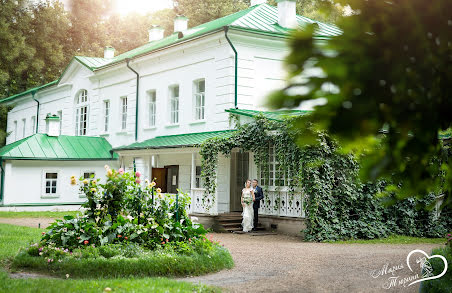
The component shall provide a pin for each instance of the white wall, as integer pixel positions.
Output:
(24, 180)
(260, 71)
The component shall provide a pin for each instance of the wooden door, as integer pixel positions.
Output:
(239, 173)
(160, 178)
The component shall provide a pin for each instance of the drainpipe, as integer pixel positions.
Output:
(226, 29)
(33, 93)
(137, 97)
(2, 181)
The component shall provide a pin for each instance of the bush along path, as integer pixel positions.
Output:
(129, 228)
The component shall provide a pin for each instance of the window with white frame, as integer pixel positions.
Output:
(123, 113)
(33, 124)
(60, 114)
(81, 113)
(106, 115)
(276, 176)
(51, 183)
(152, 108)
(198, 178)
(15, 130)
(174, 104)
(24, 127)
(199, 99)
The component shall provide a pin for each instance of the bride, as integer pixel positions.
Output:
(247, 204)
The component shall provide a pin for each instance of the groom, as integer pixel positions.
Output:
(258, 195)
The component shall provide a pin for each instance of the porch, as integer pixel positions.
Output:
(178, 167)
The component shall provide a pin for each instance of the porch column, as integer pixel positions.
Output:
(193, 170)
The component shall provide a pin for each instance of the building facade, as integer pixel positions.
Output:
(156, 103)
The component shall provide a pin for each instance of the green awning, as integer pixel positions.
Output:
(270, 115)
(175, 141)
(65, 148)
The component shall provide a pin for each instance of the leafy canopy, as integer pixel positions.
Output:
(388, 72)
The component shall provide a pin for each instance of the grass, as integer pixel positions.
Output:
(394, 239)
(37, 214)
(14, 237)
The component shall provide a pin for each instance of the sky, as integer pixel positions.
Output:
(141, 6)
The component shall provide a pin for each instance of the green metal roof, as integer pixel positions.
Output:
(258, 18)
(66, 148)
(271, 115)
(262, 18)
(174, 141)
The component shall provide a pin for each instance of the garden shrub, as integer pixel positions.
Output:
(443, 284)
(128, 223)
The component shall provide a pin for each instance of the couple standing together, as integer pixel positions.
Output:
(251, 197)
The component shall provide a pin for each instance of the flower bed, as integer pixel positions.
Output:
(129, 228)
(444, 283)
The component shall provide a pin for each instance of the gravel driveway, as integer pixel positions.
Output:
(277, 263)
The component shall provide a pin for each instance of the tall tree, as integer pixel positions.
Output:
(389, 71)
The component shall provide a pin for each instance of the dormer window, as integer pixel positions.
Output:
(81, 113)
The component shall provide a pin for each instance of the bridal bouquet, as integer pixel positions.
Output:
(247, 200)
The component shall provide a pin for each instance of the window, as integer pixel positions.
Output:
(81, 113)
(106, 115)
(51, 180)
(198, 179)
(124, 113)
(276, 176)
(152, 108)
(88, 175)
(60, 114)
(15, 130)
(174, 104)
(33, 124)
(24, 127)
(199, 99)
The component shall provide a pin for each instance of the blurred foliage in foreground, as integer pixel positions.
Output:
(389, 72)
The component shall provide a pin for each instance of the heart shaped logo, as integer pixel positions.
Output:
(425, 265)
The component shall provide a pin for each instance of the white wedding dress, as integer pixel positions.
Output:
(248, 212)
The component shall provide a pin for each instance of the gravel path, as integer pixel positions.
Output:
(28, 222)
(277, 263)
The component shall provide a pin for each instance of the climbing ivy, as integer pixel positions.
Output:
(338, 205)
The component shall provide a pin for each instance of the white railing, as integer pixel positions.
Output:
(283, 203)
(196, 205)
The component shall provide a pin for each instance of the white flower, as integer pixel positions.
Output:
(67, 276)
(129, 217)
(194, 219)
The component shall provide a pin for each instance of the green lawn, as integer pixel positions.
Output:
(394, 239)
(13, 237)
(37, 214)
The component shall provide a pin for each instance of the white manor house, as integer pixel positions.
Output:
(148, 109)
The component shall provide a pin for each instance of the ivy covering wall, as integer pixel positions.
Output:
(338, 205)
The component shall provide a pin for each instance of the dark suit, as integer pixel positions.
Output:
(258, 196)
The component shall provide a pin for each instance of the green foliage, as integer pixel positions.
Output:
(387, 71)
(195, 257)
(443, 284)
(123, 211)
(338, 205)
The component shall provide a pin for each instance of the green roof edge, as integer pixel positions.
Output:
(129, 148)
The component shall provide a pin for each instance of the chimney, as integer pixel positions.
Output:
(180, 23)
(109, 52)
(156, 33)
(53, 125)
(257, 2)
(287, 14)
